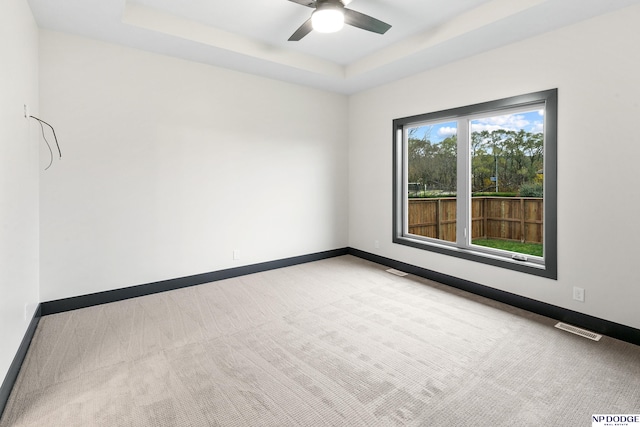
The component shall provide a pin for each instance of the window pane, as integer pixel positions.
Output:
(432, 180)
(507, 182)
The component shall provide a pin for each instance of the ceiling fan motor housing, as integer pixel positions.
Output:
(325, 4)
(328, 16)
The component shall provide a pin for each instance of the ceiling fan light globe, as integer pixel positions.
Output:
(327, 20)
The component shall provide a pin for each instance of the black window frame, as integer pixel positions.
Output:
(550, 99)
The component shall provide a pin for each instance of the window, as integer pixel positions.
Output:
(479, 182)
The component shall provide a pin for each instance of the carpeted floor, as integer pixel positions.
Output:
(338, 342)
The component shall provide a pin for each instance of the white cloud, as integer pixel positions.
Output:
(478, 127)
(513, 122)
(446, 131)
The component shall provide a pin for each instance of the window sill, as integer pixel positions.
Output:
(529, 267)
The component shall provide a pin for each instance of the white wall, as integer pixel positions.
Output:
(168, 166)
(596, 67)
(18, 176)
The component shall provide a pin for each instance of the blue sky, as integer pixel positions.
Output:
(531, 121)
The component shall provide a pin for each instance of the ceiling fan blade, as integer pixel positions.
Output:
(302, 31)
(365, 22)
(308, 3)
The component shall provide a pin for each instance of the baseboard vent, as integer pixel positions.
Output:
(397, 272)
(578, 331)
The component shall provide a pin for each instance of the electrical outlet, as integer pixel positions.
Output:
(376, 244)
(578, 294)
(236, 254)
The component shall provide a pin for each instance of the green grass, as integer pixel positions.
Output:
(494, 194)
(508, 245)
(429, 195)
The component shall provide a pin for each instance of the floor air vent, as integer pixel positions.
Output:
(397, 272)
(578, 331)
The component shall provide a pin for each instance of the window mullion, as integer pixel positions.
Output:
(402, 153)
(463, 199)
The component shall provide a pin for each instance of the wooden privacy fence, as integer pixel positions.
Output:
(506, 218)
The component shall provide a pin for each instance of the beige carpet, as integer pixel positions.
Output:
(338, 342)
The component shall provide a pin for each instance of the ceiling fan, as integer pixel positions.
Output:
(330, 15)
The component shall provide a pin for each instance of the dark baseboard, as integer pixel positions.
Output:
(14, 369)
(82, 301)
(601, 326)
(595, 324)
(604, 327)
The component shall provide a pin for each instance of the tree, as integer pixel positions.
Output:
(513, 157)
(432, 165)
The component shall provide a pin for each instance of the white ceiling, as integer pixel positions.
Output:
(251, 35)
